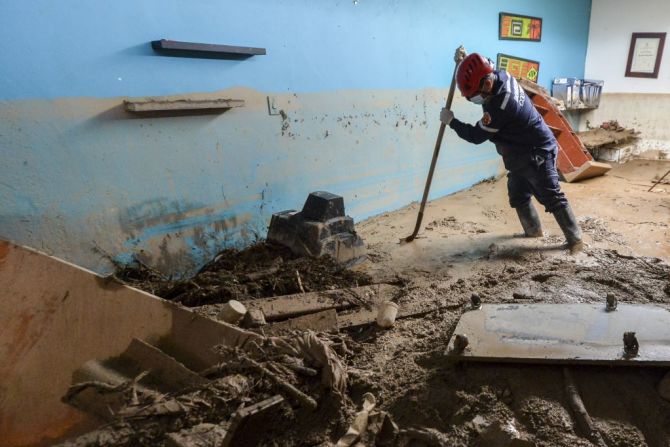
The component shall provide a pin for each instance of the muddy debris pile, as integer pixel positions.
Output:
(609, 134)
(277, 383)
(261, 270)
(398, 387)
(274, 391)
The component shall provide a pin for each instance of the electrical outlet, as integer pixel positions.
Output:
(273, 108)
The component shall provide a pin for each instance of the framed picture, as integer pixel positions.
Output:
(519, 27)
(518, 67)
(644, 55)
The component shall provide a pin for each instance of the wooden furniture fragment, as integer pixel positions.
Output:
(574, 162)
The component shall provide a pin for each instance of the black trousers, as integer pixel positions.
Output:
(536, 178)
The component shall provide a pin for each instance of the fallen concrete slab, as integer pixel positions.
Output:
(563, 333)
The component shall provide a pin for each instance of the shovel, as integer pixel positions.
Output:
(458, 57)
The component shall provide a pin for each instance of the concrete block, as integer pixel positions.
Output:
(283, 228)
(254, 318)
(321, 228)
(344, 247)
(322, 206)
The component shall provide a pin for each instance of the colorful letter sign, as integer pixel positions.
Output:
(518, 67)
(518, 27)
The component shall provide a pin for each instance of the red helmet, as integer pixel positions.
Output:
(470, 73)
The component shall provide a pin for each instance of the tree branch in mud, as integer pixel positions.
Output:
(584, 421)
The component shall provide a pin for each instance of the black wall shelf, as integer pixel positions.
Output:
(204, 50)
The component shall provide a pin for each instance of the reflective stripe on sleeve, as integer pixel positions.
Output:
(488, 129)
(507, 95)
(516, 90)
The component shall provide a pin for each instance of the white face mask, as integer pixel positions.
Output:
(477, 99)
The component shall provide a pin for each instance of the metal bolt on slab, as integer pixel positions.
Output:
(611, 302)
(460, 343)
(475, 302)
(630, 344)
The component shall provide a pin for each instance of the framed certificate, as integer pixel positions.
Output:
(644, 55)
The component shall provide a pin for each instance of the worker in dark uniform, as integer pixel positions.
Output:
(527, 146)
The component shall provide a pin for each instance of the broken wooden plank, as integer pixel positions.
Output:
(245, 420)
(162, 104)
(323, 321)
(565, 333)
(364, 316)
(163, 367)
(289, 306)
(588, 170)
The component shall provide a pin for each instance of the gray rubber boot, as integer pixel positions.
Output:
(530, 221)
(573, 234)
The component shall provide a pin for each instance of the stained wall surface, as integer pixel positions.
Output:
(634, 102)
(359, 84)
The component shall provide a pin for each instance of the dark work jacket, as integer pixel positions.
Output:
(512, 123)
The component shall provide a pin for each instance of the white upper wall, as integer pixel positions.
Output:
(612, 24)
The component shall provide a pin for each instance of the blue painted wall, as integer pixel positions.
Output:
(361, 83)
(100, 48)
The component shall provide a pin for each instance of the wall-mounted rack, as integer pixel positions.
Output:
(177, 104)
(204, 50)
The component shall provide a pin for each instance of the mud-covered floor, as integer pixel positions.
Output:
(407, 367)
(468, 245)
